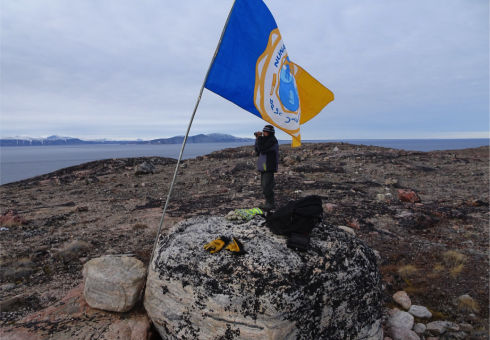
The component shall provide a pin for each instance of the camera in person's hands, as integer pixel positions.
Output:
(257, 134)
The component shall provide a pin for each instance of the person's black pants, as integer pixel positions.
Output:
(267, 183)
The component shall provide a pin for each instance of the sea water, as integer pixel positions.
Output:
(22, 162)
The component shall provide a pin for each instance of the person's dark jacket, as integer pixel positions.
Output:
(268, 150)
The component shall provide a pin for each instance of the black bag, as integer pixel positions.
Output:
(298, 242)
(299, 217)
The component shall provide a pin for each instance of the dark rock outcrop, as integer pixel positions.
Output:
(144, 169)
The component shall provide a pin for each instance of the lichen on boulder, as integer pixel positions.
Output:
(333, 291)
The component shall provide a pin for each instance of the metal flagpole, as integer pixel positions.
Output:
(186, 135)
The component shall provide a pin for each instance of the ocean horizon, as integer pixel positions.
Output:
(23, 162)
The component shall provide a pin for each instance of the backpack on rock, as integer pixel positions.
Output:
(298, 217)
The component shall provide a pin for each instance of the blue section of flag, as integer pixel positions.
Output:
(232, 74)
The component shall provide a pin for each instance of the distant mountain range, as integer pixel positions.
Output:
(60, 140)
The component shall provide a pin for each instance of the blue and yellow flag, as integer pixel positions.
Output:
(253, 70)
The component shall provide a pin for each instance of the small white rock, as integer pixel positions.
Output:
(420, 312)
(419, 328)
(400, 319)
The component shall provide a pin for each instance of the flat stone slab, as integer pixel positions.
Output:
(333, 291)
(113, 283)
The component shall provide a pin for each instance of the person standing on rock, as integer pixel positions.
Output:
(267, 148)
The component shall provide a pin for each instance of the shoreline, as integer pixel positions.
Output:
(193, 153)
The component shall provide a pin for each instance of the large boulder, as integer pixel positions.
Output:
(113, 283)
(333, 291)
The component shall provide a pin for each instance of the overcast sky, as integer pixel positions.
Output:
(133, 69)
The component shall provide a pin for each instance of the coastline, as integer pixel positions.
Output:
(23, 162)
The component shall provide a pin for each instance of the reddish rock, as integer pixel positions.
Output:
(407, 195)
(11, 219)
(354, 224)
(402, 299)
(83, 322)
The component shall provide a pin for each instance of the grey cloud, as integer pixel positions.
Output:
(134, 69)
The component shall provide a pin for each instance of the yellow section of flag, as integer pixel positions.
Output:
(313, 95)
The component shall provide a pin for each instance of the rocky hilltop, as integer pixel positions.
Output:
(426, 214)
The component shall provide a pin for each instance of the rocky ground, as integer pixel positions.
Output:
(435, 249)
